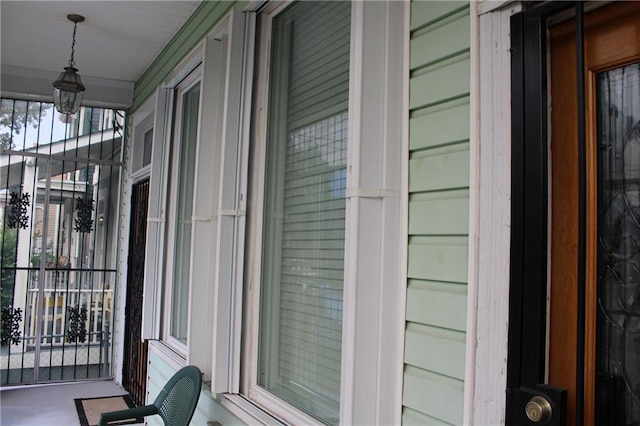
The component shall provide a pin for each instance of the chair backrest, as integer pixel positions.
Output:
(177, 401)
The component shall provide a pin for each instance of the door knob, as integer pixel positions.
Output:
(538, 409)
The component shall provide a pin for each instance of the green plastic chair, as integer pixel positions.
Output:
(175, 404)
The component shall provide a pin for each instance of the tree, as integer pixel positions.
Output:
(8, 249)
(16, 115)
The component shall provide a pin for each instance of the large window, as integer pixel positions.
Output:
(286, 232)
(190, 212)
(301, 299)
(181, 208)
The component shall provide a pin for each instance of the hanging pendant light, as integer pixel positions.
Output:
(68, 88)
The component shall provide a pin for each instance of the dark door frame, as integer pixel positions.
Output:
(134, 366)
(526, 362)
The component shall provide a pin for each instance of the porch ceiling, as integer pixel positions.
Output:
(114, 45)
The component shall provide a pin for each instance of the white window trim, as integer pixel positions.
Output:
(164, 352)
(204, 221)
(250, 388)
(373, 361)
(140, 128)
(213, 57)
(193, 78)
(230, 206)
(139, 124)
(156, 217)
(490, 213)
(247, 411)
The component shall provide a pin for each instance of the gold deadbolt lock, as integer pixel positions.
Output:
(538, 410)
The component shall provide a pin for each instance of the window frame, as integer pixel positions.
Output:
(142, 121)
(210, 338)
(182, 88)
(141, 127)
(367, 188)
(255, 226)
(377, 182)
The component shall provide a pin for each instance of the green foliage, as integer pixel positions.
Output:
(48, 258)
(8, 249)
(16, 115)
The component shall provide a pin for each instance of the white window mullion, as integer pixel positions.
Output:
(249, 28)
(204, 220)
(254, 223)
(179, 202)
(373, 322)
(352, 213)
(230, 216)
(156, 216)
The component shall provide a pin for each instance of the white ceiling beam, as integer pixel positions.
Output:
(26, 83)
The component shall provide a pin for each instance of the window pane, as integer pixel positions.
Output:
(146, 148)
(186, 169)
(618, 326)
(303, 253)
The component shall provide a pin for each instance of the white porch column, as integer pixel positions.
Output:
(29, 179)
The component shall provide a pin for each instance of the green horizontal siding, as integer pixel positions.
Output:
(442, 84)
(441, 127)
(439, 140)
(411, 417)
(438, 304)
(438, 260)
(439, 396)
(435, 349)
(428, 12)
(453, 39)
(209, 408)
(201, 22)
(448, 169)
(448, 213)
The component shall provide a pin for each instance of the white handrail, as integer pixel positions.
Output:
(54, 311)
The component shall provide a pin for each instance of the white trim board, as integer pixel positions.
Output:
(490, 219)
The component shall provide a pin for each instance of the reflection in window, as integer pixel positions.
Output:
(184, 209)
(300, 346)
(618, 332)
(147, 146)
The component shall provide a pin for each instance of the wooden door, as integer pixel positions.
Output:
(612, 228)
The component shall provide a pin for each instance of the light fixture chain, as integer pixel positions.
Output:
(68, 88)
(73, 44)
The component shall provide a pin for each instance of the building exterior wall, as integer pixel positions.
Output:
(205, 17)
(438, 209)
(490, 233)
(162, 363)
(438, 213)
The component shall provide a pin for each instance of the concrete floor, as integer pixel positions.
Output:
(49, 405)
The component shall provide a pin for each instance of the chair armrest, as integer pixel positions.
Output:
(131, 413)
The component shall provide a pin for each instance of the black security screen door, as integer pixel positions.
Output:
(60, 177)
(134, 369)
(575, 215)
